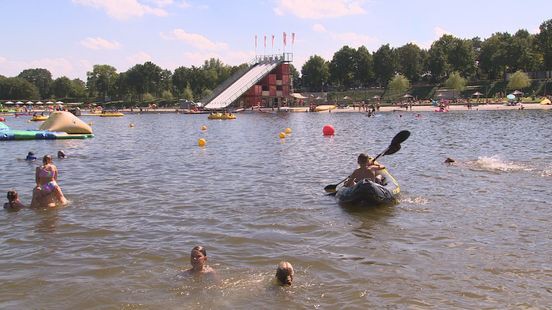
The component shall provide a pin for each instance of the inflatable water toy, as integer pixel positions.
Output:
(65, 122)
(7, 133)
(369, 192)
(324, 107)
(545, 101)
(39, 118)
(221, 116)
(111, 114)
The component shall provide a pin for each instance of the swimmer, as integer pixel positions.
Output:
(13, 203)
(198, 260)
(284, 274)
(30, 156)
(449, 161)
(47, 192)
(61, 154)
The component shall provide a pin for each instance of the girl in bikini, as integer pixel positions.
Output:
(47, 192)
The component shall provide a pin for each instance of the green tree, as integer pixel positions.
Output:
(494, 57)
(544, 43)
(518, 80)
(314, 73)
(398, 85)
(41, 78)
(294, 75)
(78, 89)
(180, 80)
(342, 68)
(62, 87)
(17, 89)
(385, 64)
(188, 94)
(147, 97)
(522, 52)
(364, 67)
(167, 95)
(100, 81)
(456, 82)
(450, 54)
(410, 61)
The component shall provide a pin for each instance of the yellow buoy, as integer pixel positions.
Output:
(282, 135)
(288, 130)
(201, 142)
(203, 127)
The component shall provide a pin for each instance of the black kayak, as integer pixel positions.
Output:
(369, 192)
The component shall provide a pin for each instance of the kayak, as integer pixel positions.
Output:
(324, 107)
(369, 192)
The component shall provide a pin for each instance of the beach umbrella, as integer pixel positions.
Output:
(511, 97)
(517, 93)
(346, 98)
(59, 102)
(39, 102)
(477, 94)
(408, 96)
(49, 102)
(9, 102)
(29, 102)
(19, 102)
(376, 97)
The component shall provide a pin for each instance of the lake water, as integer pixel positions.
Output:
(474, 235)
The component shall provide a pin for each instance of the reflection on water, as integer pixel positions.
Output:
(470, 235)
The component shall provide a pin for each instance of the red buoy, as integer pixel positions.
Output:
(328, 130)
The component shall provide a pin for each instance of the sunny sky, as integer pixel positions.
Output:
(68, 37)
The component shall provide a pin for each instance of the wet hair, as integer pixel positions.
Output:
(200, 249)
(362, 158)
(61, 154)
(12, 195)
(284, 273)
(47, 158)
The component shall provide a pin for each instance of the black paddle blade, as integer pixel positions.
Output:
(399, 138)
(330, 188)
(393, 148)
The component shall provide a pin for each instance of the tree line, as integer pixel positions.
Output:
(470, 59)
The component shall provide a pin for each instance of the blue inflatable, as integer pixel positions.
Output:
(6, 133)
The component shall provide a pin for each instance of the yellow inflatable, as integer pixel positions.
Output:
(66, 122)
(111, 114)
(39, 118)
(324, 107)
(545, 101)
(221, 116)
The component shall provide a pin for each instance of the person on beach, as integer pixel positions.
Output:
(284, 274)
(30, 156)
(47, 192)
(198, 260)
(13, 203)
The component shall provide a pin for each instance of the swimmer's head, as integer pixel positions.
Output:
(12, 196)
(198, 257)
(61, 154)
(284, 273)
(47, 159)
(449, 160)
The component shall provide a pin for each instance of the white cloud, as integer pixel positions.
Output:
(317, 9)
(139, 58)
(354, 39)
(195, 40)
(124, 9)
(160, 3)
(318, 28)
(439, 32)
(99, 43)
(57, 66)
(184, 4)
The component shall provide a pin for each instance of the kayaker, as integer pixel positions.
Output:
(284, 274)
(362, 172)
(198, 260)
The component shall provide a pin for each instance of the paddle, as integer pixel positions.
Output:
(393, 148)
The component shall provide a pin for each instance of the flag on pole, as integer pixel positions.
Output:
(272, 41)
(265, 41)
(255, 41)
(292, 38)
(284, 39)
